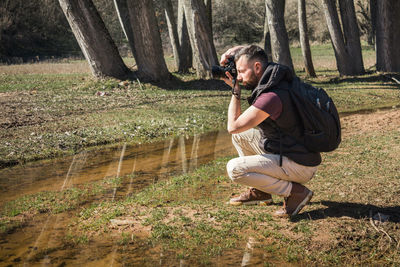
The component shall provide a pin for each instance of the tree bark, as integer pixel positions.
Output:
(304, 42)
(351, 35)
(373, 10)
(199, 31)
(208, 4)
(173, 31)
(183, 35)
(148, 50)
(121, 7)
(279, 38)
(388, 36)
(94, 39)
(343, 61)
(267, 36)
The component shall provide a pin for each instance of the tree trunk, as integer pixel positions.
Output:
(148, 53)
(208, 5)
(199, 31)
(173, 31)
(351, 35)
(388, 36)
(279, 38)
(183, 35)
(305, 44)
(121, 7)
(267, 36)
(343, 60)
(93, 38)
(373, 6)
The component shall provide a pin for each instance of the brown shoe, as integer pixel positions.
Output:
(299, 197)
(252, 197)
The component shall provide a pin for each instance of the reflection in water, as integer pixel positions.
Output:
(182, 153)
(131, 178)
(195, 148)
(121, 158)
(146, 163)
(77, 162)
(246, 260)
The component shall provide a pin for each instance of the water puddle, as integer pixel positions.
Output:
(150, 162)
(42, 239)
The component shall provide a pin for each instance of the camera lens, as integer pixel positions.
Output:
(218, 71)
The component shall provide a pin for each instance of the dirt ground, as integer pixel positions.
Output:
(17, 110)
(385, 120)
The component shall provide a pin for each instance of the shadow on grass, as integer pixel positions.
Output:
(368, 78)
(198, 84)
(174, 82)
(345, 209)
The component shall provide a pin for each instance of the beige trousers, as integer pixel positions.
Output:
(256, 168)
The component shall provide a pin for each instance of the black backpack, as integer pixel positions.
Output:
(319, 116)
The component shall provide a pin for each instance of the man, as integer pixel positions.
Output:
(270, 161)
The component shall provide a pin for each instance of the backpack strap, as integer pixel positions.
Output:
(275, 126)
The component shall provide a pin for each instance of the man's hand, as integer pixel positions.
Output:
(229, 53)
(229, 79)
(236, 91)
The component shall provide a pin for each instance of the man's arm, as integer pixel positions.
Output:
(238, 122)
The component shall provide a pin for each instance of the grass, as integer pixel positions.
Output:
(49, 114)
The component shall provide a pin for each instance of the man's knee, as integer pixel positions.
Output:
(248, 136)
(234, 169)
(236, 139)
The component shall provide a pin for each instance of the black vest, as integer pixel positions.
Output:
(277, 78)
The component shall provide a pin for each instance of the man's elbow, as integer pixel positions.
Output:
(232, 130)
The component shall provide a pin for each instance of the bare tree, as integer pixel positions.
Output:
(304, 42)
(147, 49)
(121, 6)
(184, 43)
(388, 36)
(179, 37)
(373, 6)
(208, 4)
(267, 36)
(351, 34)
(345, 61)
(279, 38)
(199, 31)
(94, 39)
(365, 21)
(173, 31)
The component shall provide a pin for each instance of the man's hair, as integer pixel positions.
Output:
(253, 53)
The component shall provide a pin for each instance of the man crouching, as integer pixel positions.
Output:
(270, 161)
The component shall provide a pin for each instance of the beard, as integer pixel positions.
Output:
(249, 86)
(251, 83)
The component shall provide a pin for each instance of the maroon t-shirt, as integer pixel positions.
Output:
(270, 103)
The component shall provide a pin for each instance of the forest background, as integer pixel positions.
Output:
(36, 30)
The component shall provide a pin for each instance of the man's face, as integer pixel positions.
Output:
(246, 73)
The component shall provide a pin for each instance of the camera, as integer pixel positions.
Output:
(230, 66)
